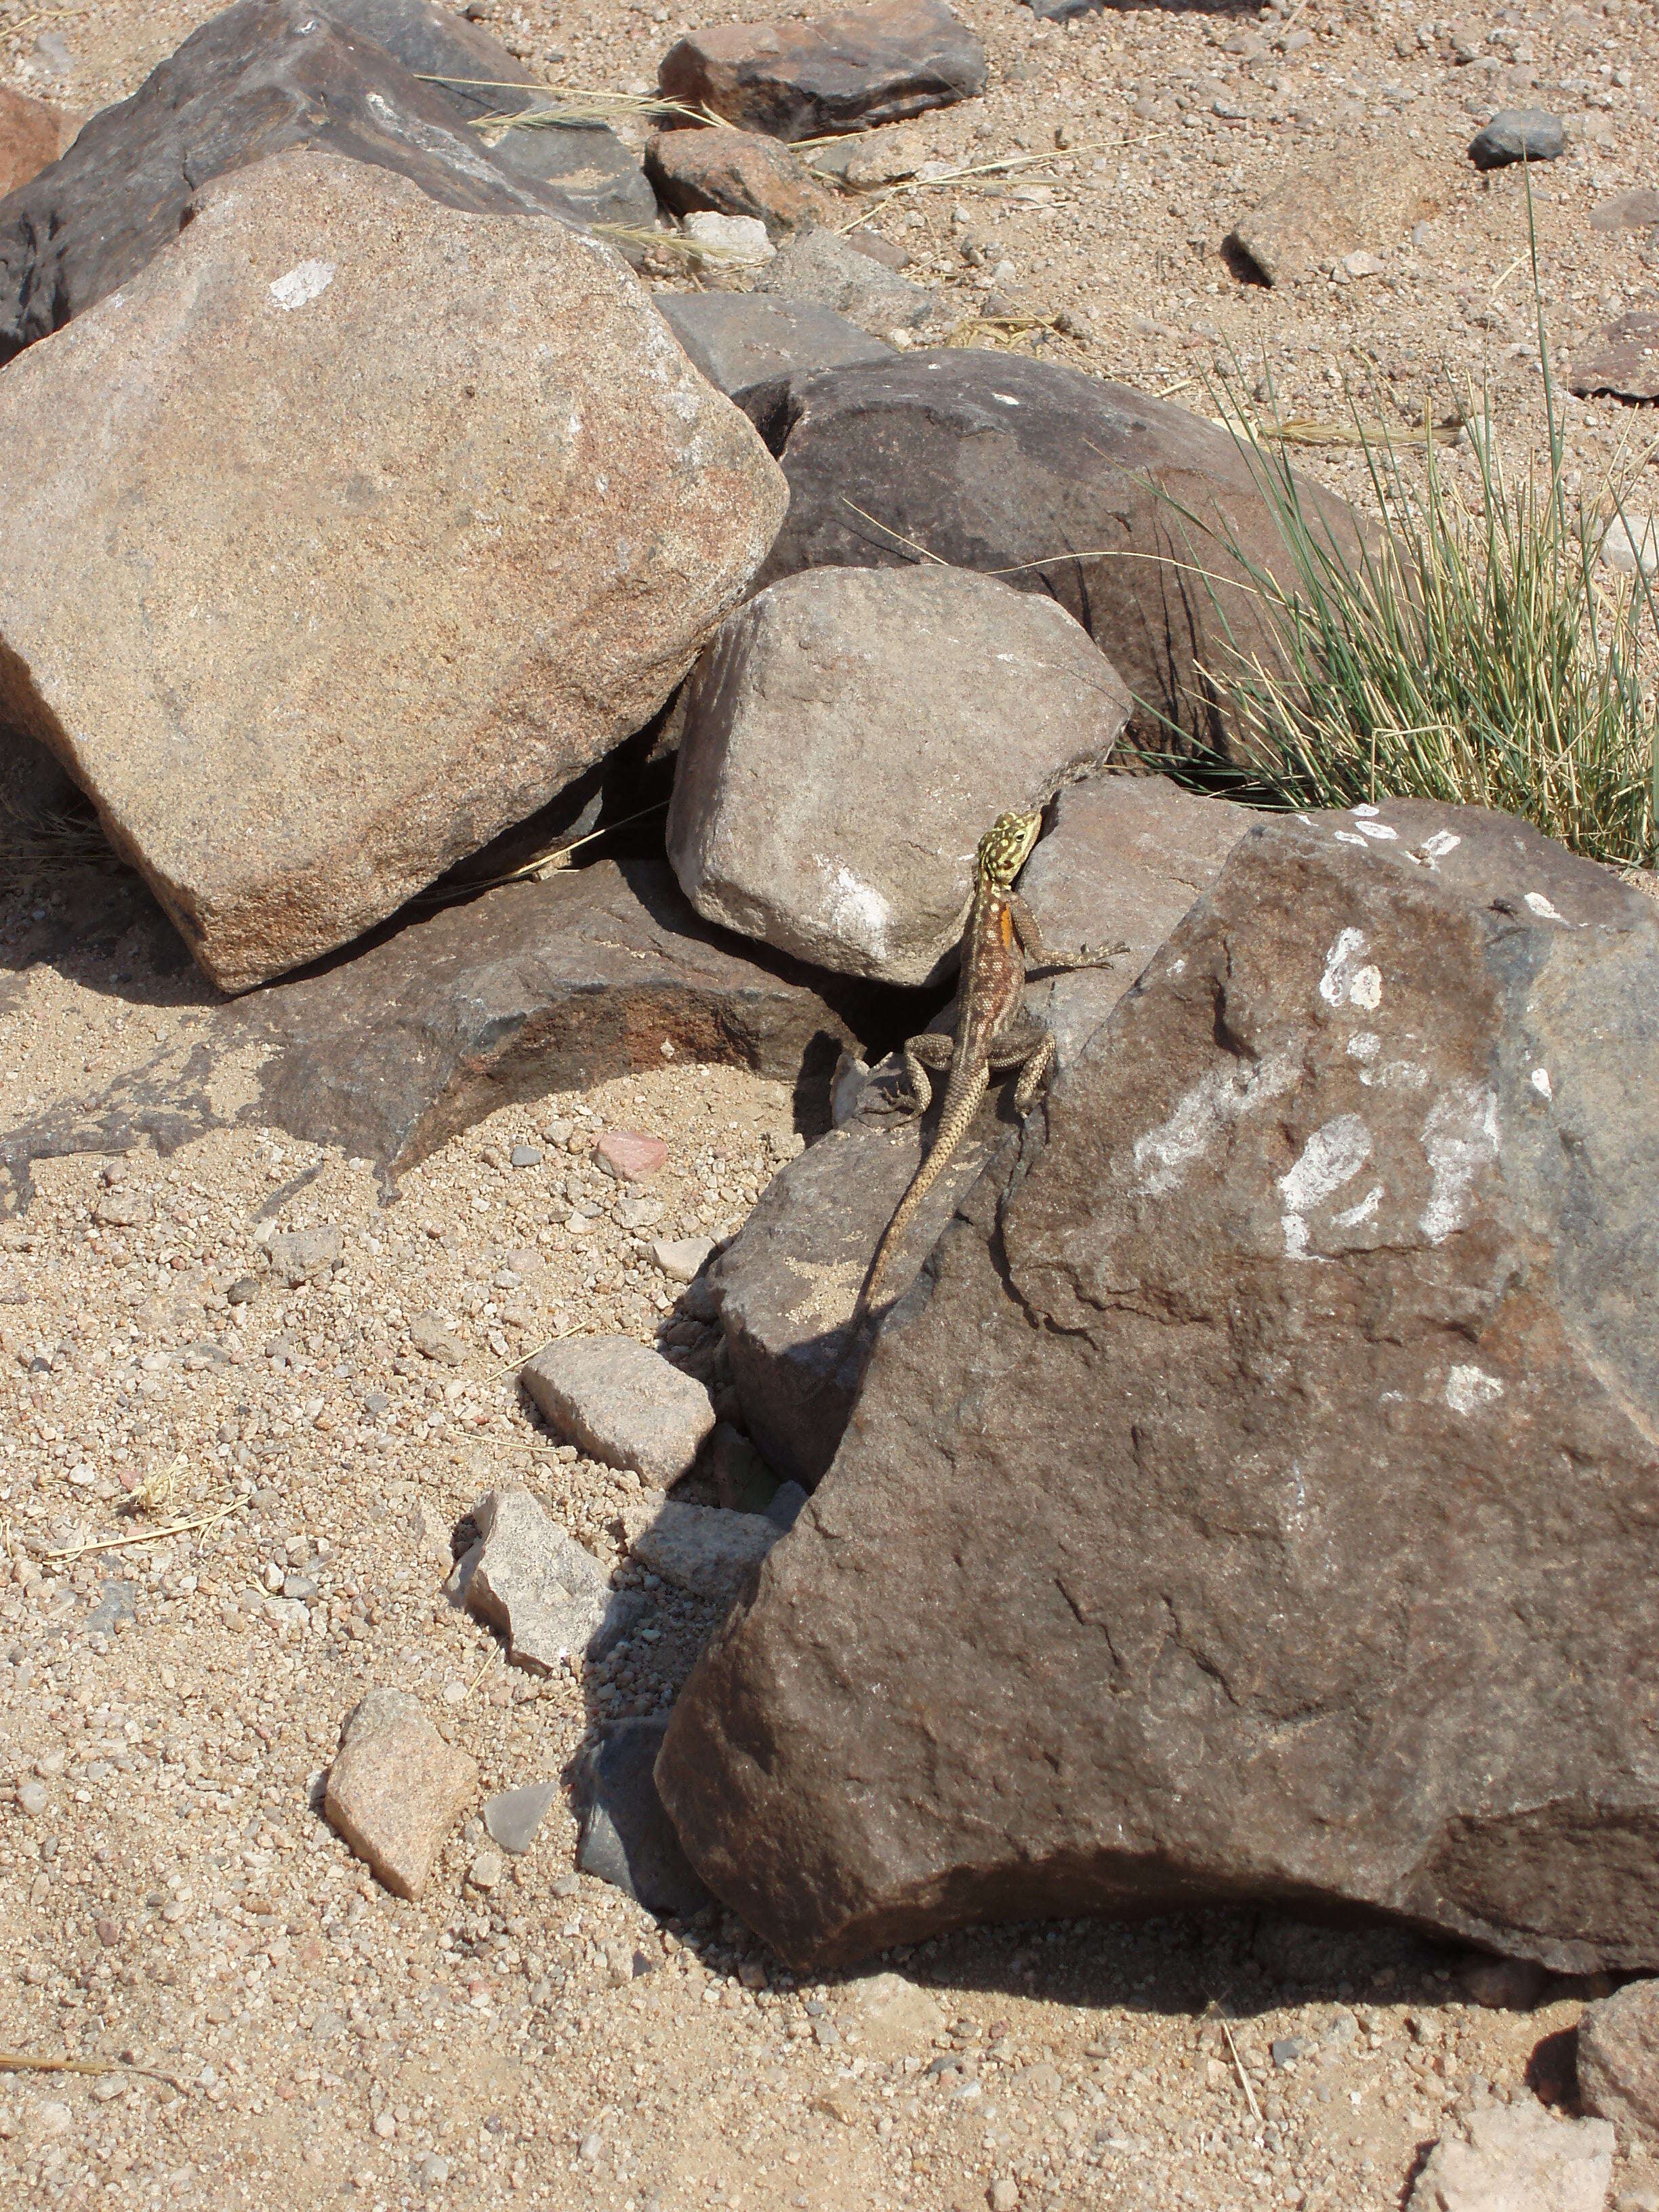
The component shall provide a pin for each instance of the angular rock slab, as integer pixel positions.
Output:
(1126, 858)
(848, 738)
(514, 1816)
(585, 163)
(708, 1551)
(740, 339)
(626, 1838)
(1625, 360)
(1260, 1488)
(263, 76)
(396, 1789)
(33, 135)
(1311, 219)
(1098, 496)
(848, 69)
(826, 270)
(327, 563)
(531, 988)
(1518, 2155)
(736, 173)
(623, 1403)
(1619, 2063)
(532, 1580)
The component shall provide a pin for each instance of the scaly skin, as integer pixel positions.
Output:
(994, 1033)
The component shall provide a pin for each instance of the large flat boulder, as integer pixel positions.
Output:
(1118, 506)
(265, 77)
(531, 988)
(326, 563)
(848, 738)
(1255, 1498)
(740, 339)
(847, 69)
(1125, 858)
(584, 163)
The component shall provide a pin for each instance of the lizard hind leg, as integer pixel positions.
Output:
(931, 1050)
(1034, 1073)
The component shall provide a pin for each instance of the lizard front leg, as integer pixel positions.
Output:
(931, 1050)
(1044, 955)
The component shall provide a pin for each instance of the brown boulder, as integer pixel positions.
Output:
(1619, 2063)
(327, 558)
(1257, 1497)
(847, 69)
(1623, 362)
(1122, 508)
(735, 172)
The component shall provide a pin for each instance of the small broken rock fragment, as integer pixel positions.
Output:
(430, 1335)
(528, 1578)
(513, 1816)
(629, 1155)
(396, 1789)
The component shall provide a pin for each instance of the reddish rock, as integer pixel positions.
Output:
(735, 172)
(33, 135)
(847, 69)
(396, 1789)
(629, 1154)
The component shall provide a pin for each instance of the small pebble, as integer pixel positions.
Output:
(526, 1156)
(485, 1870)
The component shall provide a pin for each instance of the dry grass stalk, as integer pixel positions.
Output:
(145, 1536)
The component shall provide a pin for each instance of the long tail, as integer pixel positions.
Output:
(958, 1113)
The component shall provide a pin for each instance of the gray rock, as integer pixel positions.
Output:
(513, 1816)
(972, 456)
(848, 739)
(785, 1509)
(533, 1581)
(526, 1156)
(117, 1602)
(705, 1549)
(433, 1340)
(585, 163)
(626, 1837)
(1126, 858)
(1521, 2156)
(1619, 2063)
(1518, 134)
(1633, 211)
(534, 988)
(1281, 1427)
(253, 766)
(740, 339)
(848, 69)
(622, 1403)
(825, 271)
(396, 1789)
(262, 77)
(303, 1255)
(682, 1259)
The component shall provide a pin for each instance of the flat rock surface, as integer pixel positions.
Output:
(847, 69)
(740, 339)
(973, 456)
(848, 738)
(1518, 2155)
(623, 1403)
(1619, 2063)
(396, 1789)
(33, 133)
(736, 173)
(532, 988)
(706, 1551)
(1211, 1480)
(1125, 859)
(821, 267)
(263, 76)
(533, 1581)
(287, 759)
(1333, 207)
(1623, 361)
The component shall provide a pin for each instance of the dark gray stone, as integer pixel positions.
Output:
(265, 75)
(1518, 134)
(585, 163)
(626, 1836)
(1260, 1483)
(740, 339)
(828, 270)
(848, 69)
(1104, 498)
(533, 987)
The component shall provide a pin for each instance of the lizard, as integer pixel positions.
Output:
(993, 1033)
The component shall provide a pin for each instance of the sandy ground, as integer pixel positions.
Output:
(175, 1899)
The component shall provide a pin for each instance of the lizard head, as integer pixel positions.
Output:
(1006, 846)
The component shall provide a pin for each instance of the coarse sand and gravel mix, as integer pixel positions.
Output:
(171, 1897)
